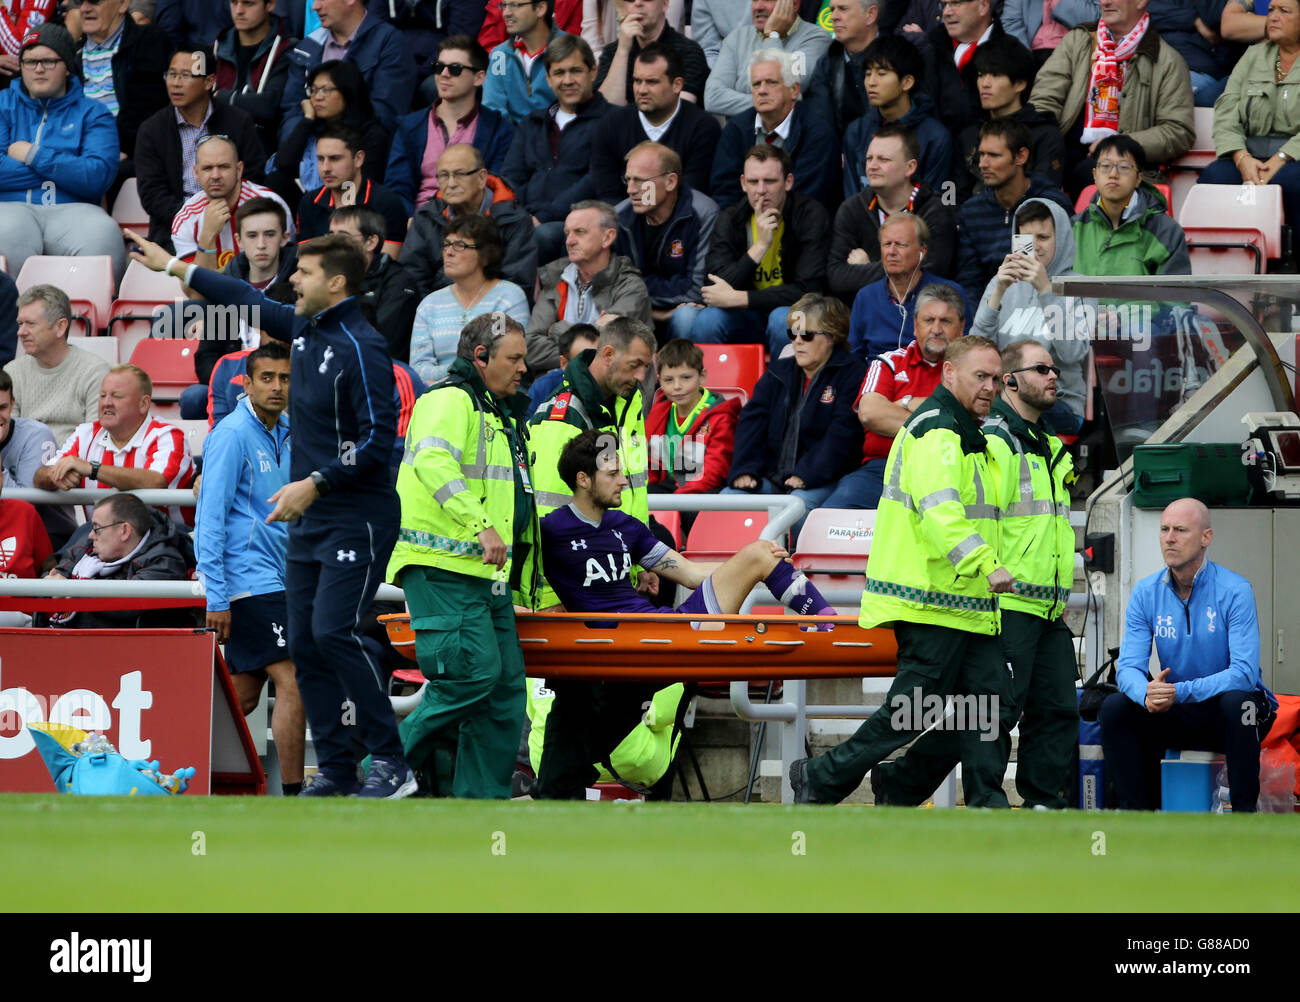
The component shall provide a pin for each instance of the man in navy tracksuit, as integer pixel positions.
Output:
(241, 556)
(340, 500)
(1208, 692)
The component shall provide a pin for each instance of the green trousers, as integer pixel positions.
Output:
(933, 662)
(1042, 653)
(467, 645)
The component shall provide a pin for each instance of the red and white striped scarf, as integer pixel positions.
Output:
(1101, 112)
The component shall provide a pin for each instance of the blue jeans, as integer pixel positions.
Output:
(194, 402)
(1206, 89)
(812, 497)
(549, 240)
(1288, 179)
(861, 488)
(712, 325)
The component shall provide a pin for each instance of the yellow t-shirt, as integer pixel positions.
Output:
(768, 274)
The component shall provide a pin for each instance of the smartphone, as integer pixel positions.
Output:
(1022, 243)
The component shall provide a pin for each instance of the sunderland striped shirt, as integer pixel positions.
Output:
(156, 445)
(188, 223)
(903, 372)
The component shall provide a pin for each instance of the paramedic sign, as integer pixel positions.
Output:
(150, 691)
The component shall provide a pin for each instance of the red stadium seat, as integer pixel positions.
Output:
(128, 213)
(833, 547)
(87, 280)
(835, 540)
(1184, 171)
(730, 392)
(104, 347)
(717, 535)
(1085, 197)
(169, 362)
(142, 292)
(733, 365)
(195, 433)
(1232, 229)
(672, 521)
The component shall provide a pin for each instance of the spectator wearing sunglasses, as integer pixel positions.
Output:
(456, 116)
(1018, 303)
(800, 434)
(166, 150)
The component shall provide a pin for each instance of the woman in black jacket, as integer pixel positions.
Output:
(336, 92)
(800, 433)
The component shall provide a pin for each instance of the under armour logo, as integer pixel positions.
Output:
(279, 634)
(325, 359)
(350, 555)
(300, 343)
(578, 544)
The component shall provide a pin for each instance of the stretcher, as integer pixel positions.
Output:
(672, 647)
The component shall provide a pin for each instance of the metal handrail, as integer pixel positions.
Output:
(157, 497)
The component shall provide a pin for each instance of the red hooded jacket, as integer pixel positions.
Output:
(712, 437)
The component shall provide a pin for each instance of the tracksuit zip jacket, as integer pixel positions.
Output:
(244, 463)
(1210, 643)
(341, 406)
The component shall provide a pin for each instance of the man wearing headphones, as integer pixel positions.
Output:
(466, 555)
(884, 312)
(1037, 545)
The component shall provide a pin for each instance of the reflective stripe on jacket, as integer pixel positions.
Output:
(459, 476)
(579, 404)
(1037, 542)
(937, 537)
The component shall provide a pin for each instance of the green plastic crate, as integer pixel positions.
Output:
(1211, 472)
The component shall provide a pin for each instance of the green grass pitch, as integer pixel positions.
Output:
(66, 853)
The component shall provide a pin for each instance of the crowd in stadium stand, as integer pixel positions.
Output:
(839, 182)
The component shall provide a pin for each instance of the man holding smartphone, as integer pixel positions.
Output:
(1018, 303)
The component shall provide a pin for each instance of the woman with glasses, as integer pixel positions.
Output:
(1257, 118)
(335, 92)
(472, 253)
(800, 433)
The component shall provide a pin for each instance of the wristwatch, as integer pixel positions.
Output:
(94, 470)
(906, 402)
(1284, 156)
(322, 485)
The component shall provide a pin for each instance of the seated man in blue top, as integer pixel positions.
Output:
(241, 557)
(1209, 693)
(589, 551)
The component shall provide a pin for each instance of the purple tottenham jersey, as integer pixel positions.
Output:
(590, 566)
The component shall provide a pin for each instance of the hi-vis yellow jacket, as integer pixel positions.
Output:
(936, 539)
(466, 470)
(1037, 543)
